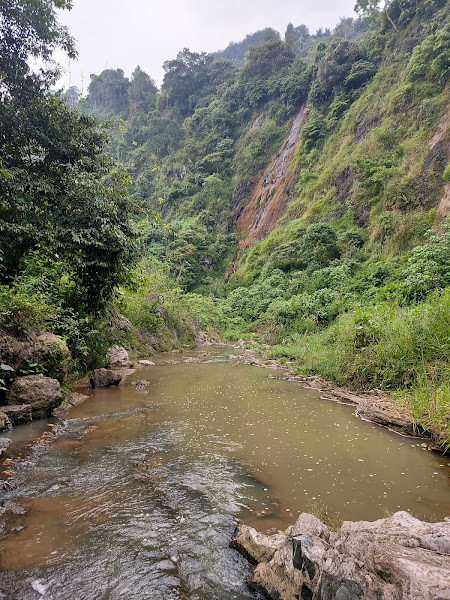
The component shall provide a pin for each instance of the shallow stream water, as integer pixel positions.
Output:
(139, 491)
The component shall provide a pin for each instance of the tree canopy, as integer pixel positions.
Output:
(60, 194)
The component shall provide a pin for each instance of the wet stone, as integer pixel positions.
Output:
(104, 378)
(20, 413)
(4, 444)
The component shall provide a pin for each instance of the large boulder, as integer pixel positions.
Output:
(42, 393)
(104, 378)
(398, 558)
(117, 357)
(37, 348)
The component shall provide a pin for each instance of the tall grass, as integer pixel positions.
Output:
(404, 350)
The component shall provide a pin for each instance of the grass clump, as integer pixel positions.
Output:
(323, 512)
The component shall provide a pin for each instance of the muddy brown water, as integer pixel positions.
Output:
(139, 491)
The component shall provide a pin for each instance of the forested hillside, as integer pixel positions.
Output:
(303, 183)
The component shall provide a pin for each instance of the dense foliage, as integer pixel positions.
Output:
(352, 282)
(350, 259)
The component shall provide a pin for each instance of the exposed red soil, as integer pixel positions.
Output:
(269, 198)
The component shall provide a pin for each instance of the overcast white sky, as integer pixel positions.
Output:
(117, 34)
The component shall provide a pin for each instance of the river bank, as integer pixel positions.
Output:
(161, 469)
(373, 406)
(398, 557)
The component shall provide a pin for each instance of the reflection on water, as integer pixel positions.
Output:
(138, 496)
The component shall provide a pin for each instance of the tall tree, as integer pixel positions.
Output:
(60, 195)
(141, 92)
(29, 29)
(108, 94)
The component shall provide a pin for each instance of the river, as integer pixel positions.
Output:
(141, 487)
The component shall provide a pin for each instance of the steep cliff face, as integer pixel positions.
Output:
(270, 195)
(442, 138)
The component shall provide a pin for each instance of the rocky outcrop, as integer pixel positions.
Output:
(42, 393)
(123, 324)
(269, 197)
(117, 357)
(104, 378)
(397, 558)
(21, 413)
(255, 546)
(38, 348)
(5, 422)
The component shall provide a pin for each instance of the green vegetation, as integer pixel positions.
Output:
(353, 281)
(70, 233)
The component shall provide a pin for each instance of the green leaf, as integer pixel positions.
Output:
(4, 367)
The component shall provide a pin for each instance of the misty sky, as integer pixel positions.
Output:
(113, 34)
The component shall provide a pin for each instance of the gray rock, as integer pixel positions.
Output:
(279, 578)
(154, 342)
(123, 324)
(82, 384)
(309, 525)
(255, 546)
(20, 413)
(11, 507)
(5, 422)
(398, 558)
(70, 399)
(145, 363)
(103, 378)
(4, 444)
(43, 393)
(116, 357)
(38, 347)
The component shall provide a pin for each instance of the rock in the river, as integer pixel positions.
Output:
(43, 393)
(103, 378)
(4, 444)
(116, 357)
(145, 363)
(5, 422)
(38, 347)
(81, 384)
(70, 399)
(19, 413)
(398, 558)
(255, 546)
(141, 385)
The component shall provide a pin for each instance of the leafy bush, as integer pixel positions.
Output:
(431, 59)
(304, 312)
(429, 265)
